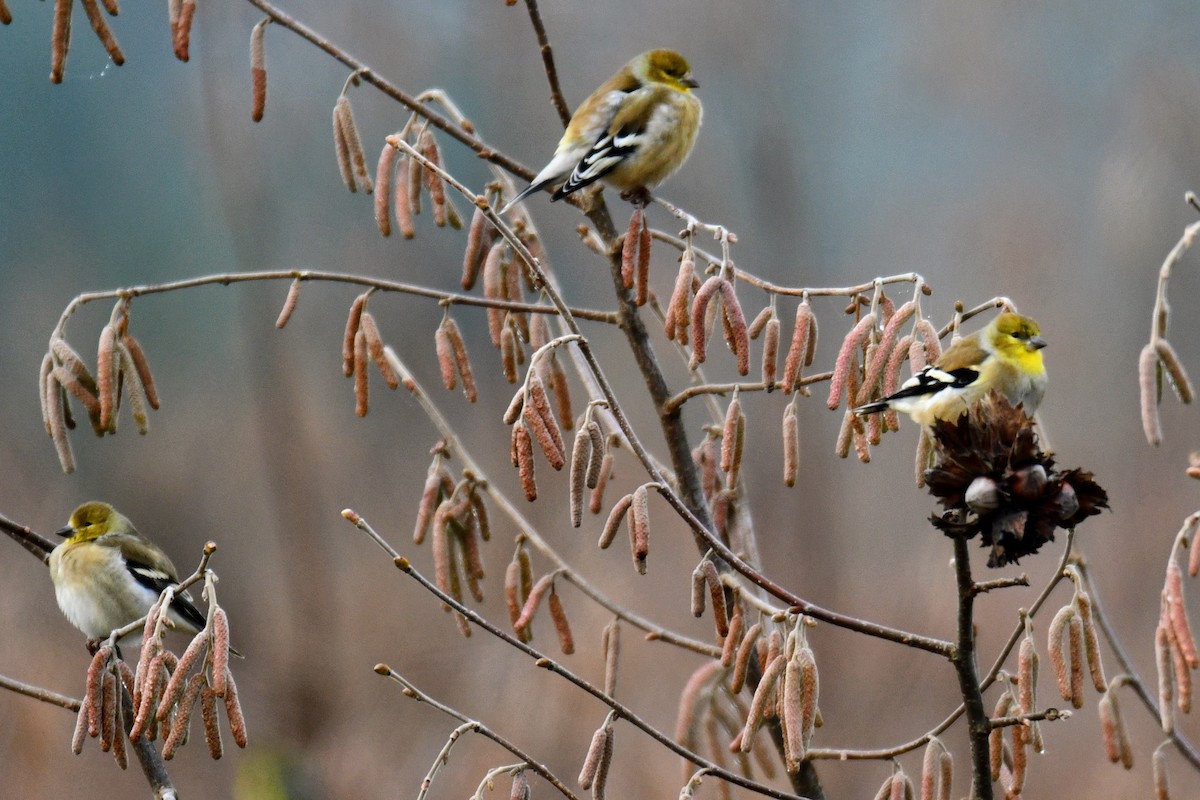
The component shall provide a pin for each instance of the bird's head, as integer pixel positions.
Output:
(1018, 337)
(664, 66)
(92, 520)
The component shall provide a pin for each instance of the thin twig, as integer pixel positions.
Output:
(556, 95)
(541, 660)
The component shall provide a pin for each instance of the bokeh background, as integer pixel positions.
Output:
(1036, 151)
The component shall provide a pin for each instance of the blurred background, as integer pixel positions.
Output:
(1039, 152)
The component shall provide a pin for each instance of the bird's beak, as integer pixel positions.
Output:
(65, 532)
(688, 80)
(1036, 343)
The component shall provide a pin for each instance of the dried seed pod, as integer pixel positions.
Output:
(461, 360)
(699, 585)
(643, 265)
(375, 349)
(481, 516)
(352, 323)
(103, 32)
(764, 692)
(1056, 648)
(473, 255)
(847, 360)
(1116, 739)
(175, 686)
(596, 452)
(341, 146)
(606, 470)
(1075, 637)
(428, 147)
(1162, 785)
(534, 600)
(360, 373)
(133, 388)
(562, 393)
(512, 597)
(183, 29)
(742, 659)
(883, 351)
(542, 424)
(233, 712)
(1176, 372)
(639, 528)
(1148, 371)
(800, 352)
(1166, 680)
(258, 71)
(737, 323)
(1183, 675)
(383, 189)
(595, 753)
(212, 732)
(677, 318)
(219, 652)
(401, 203)
(445, 356)
(629, 248)
(733, 638)
(1091, 642)
(770, 355)
(61, 376)
(285, 314)
(1180, 626)
(613, 523)
(523, 459)
(580, 455)
(700, 304)
(716, 592)
(107, 367)
(566, 642)
(415, 178)
(354, 143)
(183, 716)
(791, 445)
(729, 437)
(520, 787)
(430, 496)
(996, 737)
(60, 40)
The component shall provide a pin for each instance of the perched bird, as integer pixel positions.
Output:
(1005, 356)
(107, 575)
(633, 131)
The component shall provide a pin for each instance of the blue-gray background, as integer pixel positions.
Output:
(1036, 151)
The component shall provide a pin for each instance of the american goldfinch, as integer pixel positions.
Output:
(1005, 356)
(633, 131)
(107, 575)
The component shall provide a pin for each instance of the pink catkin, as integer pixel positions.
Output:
(258, 71)
(883, 351)
(847, 360)
(699, 315)
(737, 324)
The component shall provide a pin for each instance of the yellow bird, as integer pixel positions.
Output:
(107, 575)
(1005, 356)
(633, 131)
